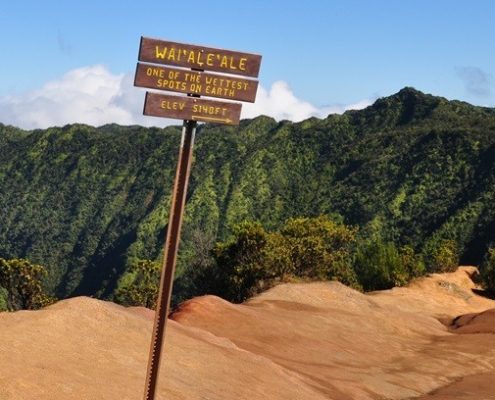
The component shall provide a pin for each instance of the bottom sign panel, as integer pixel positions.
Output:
(192, 108)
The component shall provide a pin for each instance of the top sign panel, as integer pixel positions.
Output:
(198, 57)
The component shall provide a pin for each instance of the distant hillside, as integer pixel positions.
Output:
(85, 202)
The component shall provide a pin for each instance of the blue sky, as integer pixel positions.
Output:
(318, 56)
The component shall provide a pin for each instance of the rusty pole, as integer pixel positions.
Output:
(170, 256)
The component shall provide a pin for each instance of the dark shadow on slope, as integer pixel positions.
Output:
(101, 276)
(489, 294)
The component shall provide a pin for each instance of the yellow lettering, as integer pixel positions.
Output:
(229, 62)
(209, 59)
(191, 57)
(195, 88)
(155, 72)
(209, 110)
(171, 55)
(224, 63)
(172, 105)
(160, 54)
(173, 75)
(194, 78)
(242, 64)
(199, 62)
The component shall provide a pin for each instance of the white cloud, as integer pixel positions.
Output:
(90, 95)
(280, 102)
(95, 96)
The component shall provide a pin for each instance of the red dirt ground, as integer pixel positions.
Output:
(296, 341)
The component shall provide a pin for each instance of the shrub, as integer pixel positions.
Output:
(3, 299)
(487, 269)
(310, 248)
(241, 263)
(318, 248)
(21, 282)
(139, 287)
(444, 256)
(413, 263)
(380, 265)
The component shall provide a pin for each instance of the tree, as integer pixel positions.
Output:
(381, 265)
(22, 285)
(278, 256)
(141, 285)
(195, 278)
(443, 256)
(241, 262)
(378, 265)
(488, 269)
(3, 299)
(318, 248)
(252, 259)
(413, 263)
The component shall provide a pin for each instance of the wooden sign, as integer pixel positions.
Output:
(192, 109)
(194, 82)
(197, 57)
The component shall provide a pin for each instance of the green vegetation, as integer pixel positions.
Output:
(381, 265)
(139, 285)
(411, 170)
(488, 269)
(443, 256)
(20, 286)
(319, 248)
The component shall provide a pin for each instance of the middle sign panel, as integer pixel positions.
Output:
(195, 82)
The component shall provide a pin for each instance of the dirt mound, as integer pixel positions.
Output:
(473, 387)
(483, 322)
(297, 341)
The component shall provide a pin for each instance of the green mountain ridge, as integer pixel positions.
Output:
(87, 202)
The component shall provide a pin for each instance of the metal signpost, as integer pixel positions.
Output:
(191, 80)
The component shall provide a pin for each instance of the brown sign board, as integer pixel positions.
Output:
(197, 57)
(194, 82)
(192, 108)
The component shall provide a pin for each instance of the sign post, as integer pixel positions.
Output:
(191, 109)
(170, 255)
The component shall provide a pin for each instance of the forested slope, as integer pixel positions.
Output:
(87, 202)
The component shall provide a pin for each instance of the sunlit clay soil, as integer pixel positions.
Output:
(434, 339)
